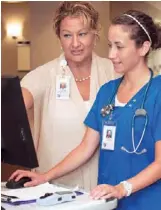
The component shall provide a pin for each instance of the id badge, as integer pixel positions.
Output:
(108, 136)
(62, 87)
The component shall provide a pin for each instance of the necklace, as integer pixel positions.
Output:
(82, 79)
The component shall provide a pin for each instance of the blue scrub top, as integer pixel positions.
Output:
(118, 165)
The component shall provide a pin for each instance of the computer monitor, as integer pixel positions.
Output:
(17, 147)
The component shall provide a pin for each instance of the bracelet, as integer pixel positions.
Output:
(127, 187)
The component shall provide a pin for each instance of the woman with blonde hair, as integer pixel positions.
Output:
(58, 115)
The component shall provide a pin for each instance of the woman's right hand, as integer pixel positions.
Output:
(36, 178)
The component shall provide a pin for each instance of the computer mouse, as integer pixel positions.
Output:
(12, 184)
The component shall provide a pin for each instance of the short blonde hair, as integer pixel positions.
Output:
(76, 9)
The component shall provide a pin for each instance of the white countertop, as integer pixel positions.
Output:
(83, 202)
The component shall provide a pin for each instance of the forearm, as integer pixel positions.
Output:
(146, 177)
(75, 159)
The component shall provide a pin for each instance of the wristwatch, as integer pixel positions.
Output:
(127, 187)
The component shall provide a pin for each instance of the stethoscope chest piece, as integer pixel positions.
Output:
(140, 112)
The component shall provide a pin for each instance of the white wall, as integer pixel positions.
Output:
(12, 12)
(37, 17)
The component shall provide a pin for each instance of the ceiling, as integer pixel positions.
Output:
(12, 1)
(155, 4)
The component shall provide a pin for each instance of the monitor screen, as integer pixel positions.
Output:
(17, 147)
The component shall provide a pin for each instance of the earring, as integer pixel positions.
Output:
(61, 48)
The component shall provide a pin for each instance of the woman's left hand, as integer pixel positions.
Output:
(105, 191)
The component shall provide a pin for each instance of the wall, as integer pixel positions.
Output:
(118, 7)
(11, 12)
(37, 18)
(45, 45)
(38, 28)
(104, 10)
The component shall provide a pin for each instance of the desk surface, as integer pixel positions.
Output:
(83, 202)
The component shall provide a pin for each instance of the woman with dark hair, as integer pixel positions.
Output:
(130, 163)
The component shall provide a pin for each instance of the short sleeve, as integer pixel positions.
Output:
(157, 118)
(35, 82)
(92, 117)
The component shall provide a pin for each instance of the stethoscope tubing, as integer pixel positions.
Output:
(139, 112)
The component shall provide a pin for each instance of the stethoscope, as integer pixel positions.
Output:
(140, 112)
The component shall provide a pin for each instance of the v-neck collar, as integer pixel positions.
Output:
(94, 86)
(137, 96)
